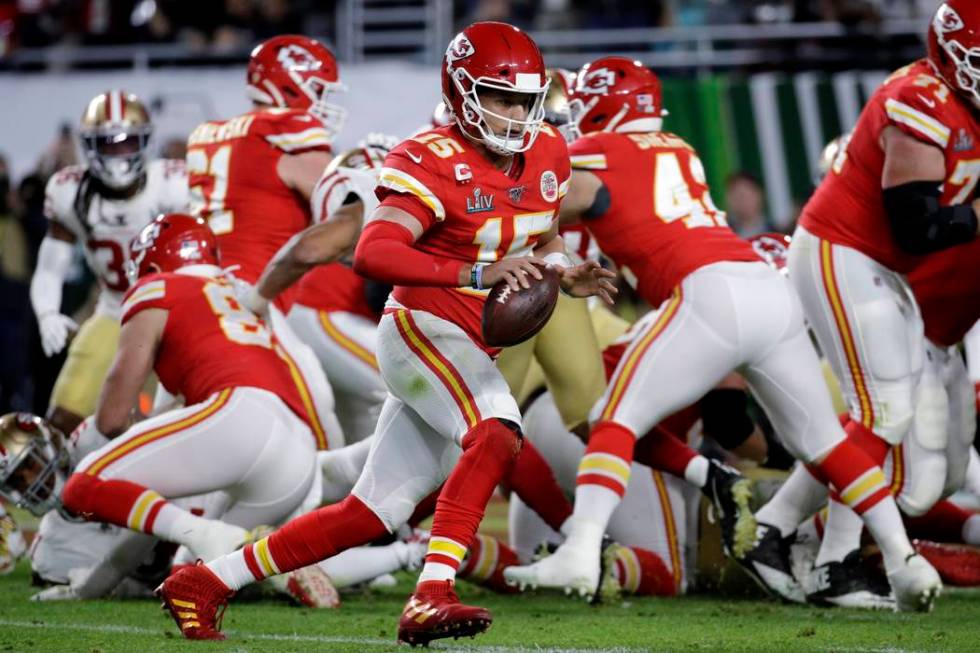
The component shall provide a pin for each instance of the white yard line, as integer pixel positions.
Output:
(319, 639)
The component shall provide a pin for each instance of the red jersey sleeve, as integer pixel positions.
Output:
(917, 104)
(149, 292)
(293, 131)
(588, 153)
(412, 172)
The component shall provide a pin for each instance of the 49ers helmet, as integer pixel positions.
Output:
(556, 111)
(297, 72)
(171, 242)
(616, 94)
(33, 462)
(115, 130)
(494, 56)
(954, 46)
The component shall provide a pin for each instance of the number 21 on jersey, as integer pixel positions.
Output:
(209, 187)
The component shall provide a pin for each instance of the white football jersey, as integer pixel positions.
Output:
(106, 226)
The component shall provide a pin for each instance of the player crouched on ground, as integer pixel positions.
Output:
(244, 428)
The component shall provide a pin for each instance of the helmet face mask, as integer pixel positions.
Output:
(33, 463)
(299, 73)
(483, 62)
(115, 134)
(954, 46)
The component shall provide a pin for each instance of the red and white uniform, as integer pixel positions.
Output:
(472, 211)
(720, 308)
(235, 186)
(932, 461)
(441, 379)
(243, 407)
(846, 264)
(331, 314)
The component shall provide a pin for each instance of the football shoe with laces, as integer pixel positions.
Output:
(768, 562)
(849, 583)
(196, 599)
(730, 493)
(434, 611)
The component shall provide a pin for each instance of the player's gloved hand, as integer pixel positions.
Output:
(380, 140)
(587, 279)
(514, 271)
(55, 329)
(249, 297)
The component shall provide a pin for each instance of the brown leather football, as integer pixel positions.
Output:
(510, 318)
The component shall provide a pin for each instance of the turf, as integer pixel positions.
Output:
(367, 621)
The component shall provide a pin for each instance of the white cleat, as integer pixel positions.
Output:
(916, 584)
(572, 570)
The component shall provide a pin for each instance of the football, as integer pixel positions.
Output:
(510, 318)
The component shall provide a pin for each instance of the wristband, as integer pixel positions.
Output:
(476, 275)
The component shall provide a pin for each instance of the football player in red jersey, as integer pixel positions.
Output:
(252, 178)
(181, 320)
(903, 187)
(462, 207)
(720, 308)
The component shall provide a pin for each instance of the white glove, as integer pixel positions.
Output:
(54, 328)
(249, 297)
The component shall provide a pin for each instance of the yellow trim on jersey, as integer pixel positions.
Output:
(147, 292)
(589, 161)
(309, 138)
(322, 442)
(563, 188)
(401, 181)
(928, 126)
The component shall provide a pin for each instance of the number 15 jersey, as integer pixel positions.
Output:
(472, 211)
(661, 224)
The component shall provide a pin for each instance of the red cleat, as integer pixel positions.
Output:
(434, 612)
(196, 599)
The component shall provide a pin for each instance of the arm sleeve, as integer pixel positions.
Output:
(53, 261)
(385, 253)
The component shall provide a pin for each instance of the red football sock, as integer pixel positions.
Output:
(644, 573)
(866, 439)
(852, 474)
(607, 458)
(485, 563)
(315, 536)
(113, 501)
(489, 451)
(661, 450)
(943, 523)
(533, 481)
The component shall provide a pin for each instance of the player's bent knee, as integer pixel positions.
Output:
(894, 430)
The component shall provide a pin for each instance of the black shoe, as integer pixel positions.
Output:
(730, 494)
(849, 584)
(769, 564)
(608, 589)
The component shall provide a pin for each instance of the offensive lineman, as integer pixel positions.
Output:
(720, 309)
(103, 205)
(441, 243)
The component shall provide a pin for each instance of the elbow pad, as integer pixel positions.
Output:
(725, 418)
(920, 225)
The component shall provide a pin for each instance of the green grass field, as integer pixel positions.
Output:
(367, 621)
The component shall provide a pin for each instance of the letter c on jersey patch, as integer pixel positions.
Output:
(462, 172)
(549, 186)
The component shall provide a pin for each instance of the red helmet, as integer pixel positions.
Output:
(772, 248)
(494, 56)
(616, 94)
(296, 72)
(170, 242)
(954, 46)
